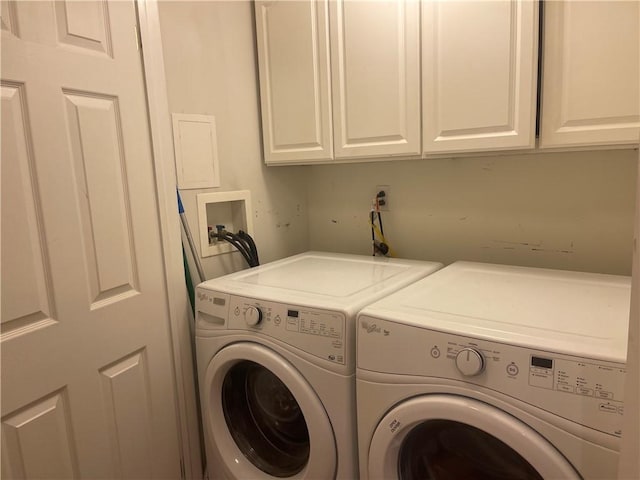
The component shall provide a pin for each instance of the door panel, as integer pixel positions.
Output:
(8, 16)
(30, 434)
(84, 25)
(95, 135)
(87, 373)
(27, 300)
(376, 78)
(479, 88)
(126, 399)
(296, 102)
(591, 74)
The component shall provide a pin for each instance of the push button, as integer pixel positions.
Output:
(584, 391)
(512, 369)
(605, 407)
(565, 388)
(603, 394)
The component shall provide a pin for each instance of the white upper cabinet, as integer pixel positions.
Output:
(375, 59)
(591, 81)
(479, 75)
(348, 80)
(293, 60)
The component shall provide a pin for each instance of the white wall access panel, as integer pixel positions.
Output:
(196, 148)
(479, 75)
(591, 84)
(293, 60)
(375, 59)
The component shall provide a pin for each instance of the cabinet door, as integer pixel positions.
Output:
(590, 76)
(479, 75)
(375, 77)
(293, 60)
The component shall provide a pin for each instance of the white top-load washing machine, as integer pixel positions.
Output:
(488, 371)
(276, 363)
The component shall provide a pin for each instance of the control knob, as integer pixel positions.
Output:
(470, 362)
(252, 316)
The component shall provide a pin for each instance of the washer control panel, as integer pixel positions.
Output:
(585, 378)
(321, 333)
(585, 391)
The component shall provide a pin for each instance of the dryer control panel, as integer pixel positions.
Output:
(585, 391)
(321, 333)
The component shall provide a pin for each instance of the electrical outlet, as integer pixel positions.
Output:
(382, 192)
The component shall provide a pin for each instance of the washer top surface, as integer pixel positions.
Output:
(576, 313)
(324, 280)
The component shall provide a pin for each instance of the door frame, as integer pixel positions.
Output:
(170, 236)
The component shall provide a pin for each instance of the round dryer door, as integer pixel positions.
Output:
(443, 437)
(263, 418)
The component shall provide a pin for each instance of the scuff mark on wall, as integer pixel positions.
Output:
(530, 246)
(524, 244)
(550, 250)
(488, 166)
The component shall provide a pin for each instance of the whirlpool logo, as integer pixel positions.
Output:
(373, 328)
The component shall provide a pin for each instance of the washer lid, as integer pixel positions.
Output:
(326, 280)
(576, 313)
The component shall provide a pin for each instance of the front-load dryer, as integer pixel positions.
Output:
(275, 351)
(488, 371)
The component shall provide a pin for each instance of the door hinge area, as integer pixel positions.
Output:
(138, 37)
(183, 473)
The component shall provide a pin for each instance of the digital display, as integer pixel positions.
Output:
(292, 313)
(541, 362)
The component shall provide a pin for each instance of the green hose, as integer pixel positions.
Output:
(187, 277)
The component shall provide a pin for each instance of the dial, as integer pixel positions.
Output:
(253, 316)
(470, 362)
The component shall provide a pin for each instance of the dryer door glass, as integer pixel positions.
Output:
(265, 419)
(445, 449)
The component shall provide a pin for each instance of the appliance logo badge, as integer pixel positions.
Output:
(373, 328)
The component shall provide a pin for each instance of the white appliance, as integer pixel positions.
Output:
(276, 362)
(488, 371)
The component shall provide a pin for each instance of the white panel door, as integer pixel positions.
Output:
(375, 60)
(591, 84)
(479, 75)
(295, 92)
(87, 376)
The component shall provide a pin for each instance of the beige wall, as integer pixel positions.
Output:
(210, 65)
(555, 210)
(559, 210)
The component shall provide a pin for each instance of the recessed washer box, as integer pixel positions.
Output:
(231, 209)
